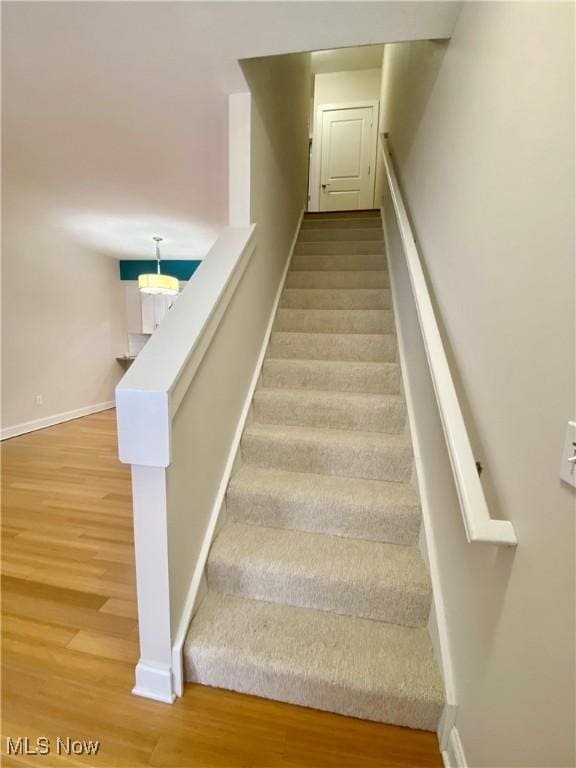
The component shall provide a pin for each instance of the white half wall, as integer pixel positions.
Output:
(482, 131)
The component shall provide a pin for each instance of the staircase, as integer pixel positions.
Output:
(317, 593)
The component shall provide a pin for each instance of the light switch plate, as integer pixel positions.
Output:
(568, 468)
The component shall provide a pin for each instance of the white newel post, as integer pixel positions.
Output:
(144, 442)
(154, 669)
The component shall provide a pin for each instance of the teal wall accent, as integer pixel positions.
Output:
(180, 268)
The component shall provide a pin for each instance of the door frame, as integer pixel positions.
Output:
(315, 160)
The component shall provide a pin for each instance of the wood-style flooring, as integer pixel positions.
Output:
(70, 636)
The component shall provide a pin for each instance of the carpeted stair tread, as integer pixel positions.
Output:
(372, 579)
(334, 375)
(338, 261)
(360, 213)
(328, 225)
(333, 346)
(347, 278)
(353, 666)
(350, 248)
(370, 455)
(335, 298)
(334, 410)
(338, 234)
(343, 218)
(341, 506)
(335, 320)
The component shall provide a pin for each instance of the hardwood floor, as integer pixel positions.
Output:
(70, 642)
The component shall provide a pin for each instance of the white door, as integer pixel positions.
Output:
(348, 158)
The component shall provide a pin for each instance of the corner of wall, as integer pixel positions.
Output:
(239, 159)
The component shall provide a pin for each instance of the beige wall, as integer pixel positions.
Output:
(482, 131)
(279, 150)
(206, 421)
(62, 317)
(358, 85)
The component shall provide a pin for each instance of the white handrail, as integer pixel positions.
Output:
(480, 527)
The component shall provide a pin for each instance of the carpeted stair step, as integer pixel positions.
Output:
(332, 410)
(333, 375)
(368, 214)
(353, 214)
(346, 278)
(357, 667)
(327, 225)
(375, 510)
(335, 298)
(335, 320)
(370, 455)
(332, 262)
(339, 234)
(333, 346)
(340, 247)
(370, 579)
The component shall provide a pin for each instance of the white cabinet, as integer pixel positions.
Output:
(154, 307)
(144, 311)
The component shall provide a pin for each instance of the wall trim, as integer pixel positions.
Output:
(446, 724)
(440, 636)
(58, 418)
(239, 158)
(453, 756)
(154, 682)
(191, 598)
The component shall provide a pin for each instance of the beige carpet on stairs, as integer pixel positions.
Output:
(317, 593)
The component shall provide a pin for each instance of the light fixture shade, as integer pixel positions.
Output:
(164, 285)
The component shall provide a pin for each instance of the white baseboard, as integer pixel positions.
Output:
(446, 724)
(453, 756)
(154, 683)
(50, 421)
(191, 598)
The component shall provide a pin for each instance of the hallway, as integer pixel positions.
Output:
(70, 634)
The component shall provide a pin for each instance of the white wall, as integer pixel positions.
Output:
(482, 131)
(62, 319)
(337, 88)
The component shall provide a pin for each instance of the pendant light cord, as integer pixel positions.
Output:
(157, 240)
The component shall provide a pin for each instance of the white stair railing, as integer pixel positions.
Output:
(178, 448)
(479, 525)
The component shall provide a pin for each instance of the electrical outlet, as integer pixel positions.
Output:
(39, 400)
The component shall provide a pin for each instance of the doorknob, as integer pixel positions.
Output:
(324, 186)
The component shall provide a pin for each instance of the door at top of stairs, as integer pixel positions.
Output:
(347, 148)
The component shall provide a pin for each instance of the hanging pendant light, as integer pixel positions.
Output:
(157, 283)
